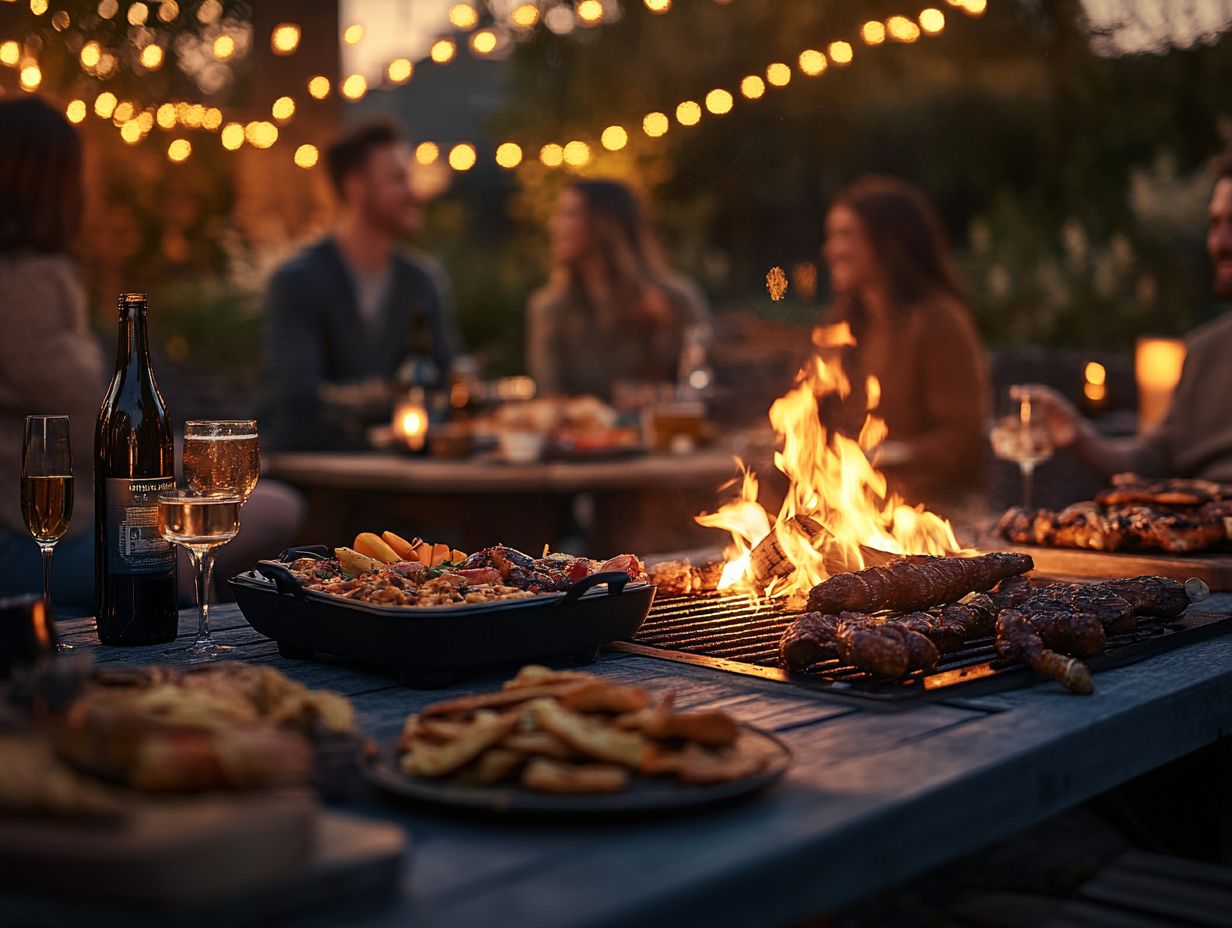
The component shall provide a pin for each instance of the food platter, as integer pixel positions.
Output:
(644, 795)
(427, 646)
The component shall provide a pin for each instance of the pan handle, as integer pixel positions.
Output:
(293, 554)
(615, 580)
(284, 581)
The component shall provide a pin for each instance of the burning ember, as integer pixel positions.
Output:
(838, 513)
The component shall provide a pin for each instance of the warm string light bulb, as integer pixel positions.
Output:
(841, 52)
(590, 12)
(30, 77)
(223, 48)
(524, 16)
(354, 87)
(284, 39)
(152, 57)
(812, 62)
(462, 157)
(10, 53)
(179, 150)
(551, 155)
(719, 102)
(753, 87)
(873, 32)
(306, 156)
(90, 54)
(778, 74)
(688, 113)
(576, 154)
(463, 16)
(232, 136)
(318, 87)
(509, 154)
(75, 111)
(260, 134)
(443, 50)
(283, 109)
(165, 116)
(614, 138)
(399, 70)
(427, 152)
(483, 42)
(353, 34)
(655, 125)
(105, 104)
(658, 6)
(932, 20)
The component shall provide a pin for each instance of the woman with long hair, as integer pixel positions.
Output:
(612, 310)
(894, 283)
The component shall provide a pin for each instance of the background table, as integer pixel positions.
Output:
(639, 503)
(874, 796)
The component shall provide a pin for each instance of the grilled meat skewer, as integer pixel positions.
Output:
(955, 624)
(914, 583)
(1019, 639)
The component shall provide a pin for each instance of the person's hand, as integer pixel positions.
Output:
(1065, 424)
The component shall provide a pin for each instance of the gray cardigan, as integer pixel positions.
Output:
(314, 335)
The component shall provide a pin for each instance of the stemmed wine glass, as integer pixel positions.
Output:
(47, 490)
(1019, 435)
(199, 523)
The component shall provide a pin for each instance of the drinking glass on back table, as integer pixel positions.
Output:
(47, 489)
(1020, 437)
(222, 456)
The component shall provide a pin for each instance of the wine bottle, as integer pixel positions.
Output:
(134, 454)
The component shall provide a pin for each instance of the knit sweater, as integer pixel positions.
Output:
(50, 364)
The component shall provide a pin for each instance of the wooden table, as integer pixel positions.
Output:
(637, 503)
(874, 796)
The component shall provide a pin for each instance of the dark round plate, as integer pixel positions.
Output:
(644, 794)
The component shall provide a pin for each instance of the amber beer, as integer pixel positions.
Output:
(134, 566)
(222, 463)
(47, 506)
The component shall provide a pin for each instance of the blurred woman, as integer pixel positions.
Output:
(895, 284)
(612, 310)
(51, 364)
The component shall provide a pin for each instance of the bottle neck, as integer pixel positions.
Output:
(132, 346)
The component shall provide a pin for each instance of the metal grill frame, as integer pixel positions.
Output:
(739, 633)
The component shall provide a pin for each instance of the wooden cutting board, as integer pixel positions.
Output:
(1214, 569)
(239, 858)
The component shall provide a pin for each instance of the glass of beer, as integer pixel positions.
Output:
(47, 489)
(199, 523)
(222, 456)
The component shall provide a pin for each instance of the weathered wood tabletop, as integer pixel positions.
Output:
(874, 796)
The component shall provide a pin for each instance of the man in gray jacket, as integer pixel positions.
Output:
(350, 313)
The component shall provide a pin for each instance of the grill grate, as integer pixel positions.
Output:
(740, 634)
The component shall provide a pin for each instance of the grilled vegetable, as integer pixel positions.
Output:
(371, 545)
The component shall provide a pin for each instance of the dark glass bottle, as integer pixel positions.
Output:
(134, 455)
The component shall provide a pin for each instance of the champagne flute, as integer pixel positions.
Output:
(222, 456)
(199, 524)
(1019, 436)
(47, 490)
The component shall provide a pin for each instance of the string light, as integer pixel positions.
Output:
(463, 16)
(841, 52)
(38, 7)
(76, 110)
(901, 29)
(130, 132)
(812, 62)
(209, 11)
(590, 12)
(509, 154)
(138, 13)
(462, 157)
(284, 40)
(658, 6)
(30, 78)
(223, 47)
(179, 150)
(932, 20)
(427, 152)
(524, 16)
(655, 125)
(400, 70)
(145, 119)
(108, 9)
(212, 119)
(90, 54)
(283, 109)
(719, 102)
(152, 57)
(168, 10)
(232, 136)
(874, 32)
(165, 116)
(353, 34)
(260, 134)
(107, 65)
(778, 74)
(306, 156)
(60, 21)
(614, 138)
(104, 104)
(551, 155)
(483, 42)
(318, 87)
(354, 87)
(10, 53)
(443, 50)
(753, 87)
(123, 112)
(576, 154)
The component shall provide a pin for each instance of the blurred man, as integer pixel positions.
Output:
(352, 314)
(1195, 438)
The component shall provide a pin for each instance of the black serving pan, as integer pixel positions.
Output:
(427, 646)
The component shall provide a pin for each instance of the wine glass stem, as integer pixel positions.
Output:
(46, 551)
(1028, 484)
(203, 562)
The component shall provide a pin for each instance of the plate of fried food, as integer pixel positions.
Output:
(564, 742)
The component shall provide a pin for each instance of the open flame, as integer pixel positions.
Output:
(837, 510)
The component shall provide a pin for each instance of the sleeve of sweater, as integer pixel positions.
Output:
(955, 393)
(542, 362)
(294, 365)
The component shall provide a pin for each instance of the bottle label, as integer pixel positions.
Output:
(135, 546)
